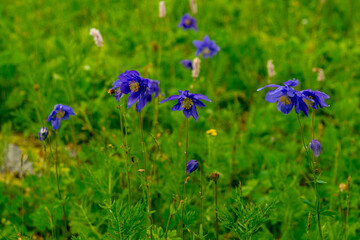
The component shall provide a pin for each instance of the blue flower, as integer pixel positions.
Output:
(187, 103)
(206, 47)
(287, 97)
(187, 64)
(317, 97)
(315, 146)
(131, 82)
(187, 22)
(60, 112)
(43, 133)
(191, 166)
(146, 97)
(117, 93)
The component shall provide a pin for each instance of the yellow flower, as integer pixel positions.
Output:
(212, 132)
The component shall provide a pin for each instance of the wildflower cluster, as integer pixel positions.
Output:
(140, 89)
(287, 98)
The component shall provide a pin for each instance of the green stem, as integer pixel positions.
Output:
(127, 153)
(201, 201)
(58, 184)
(93, 88)
(145, 174)
(167, 226)
(302, 134)
(216, 213)
(184, 194)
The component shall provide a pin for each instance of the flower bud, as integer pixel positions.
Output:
(214, 176)
(196, 68)
(315, 146)
(342, 187)
(162, 9)
(43, 133)
(97, 37)
(270, 68)
(191, 166)
(320, 72)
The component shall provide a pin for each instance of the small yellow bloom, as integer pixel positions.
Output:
(212, 132)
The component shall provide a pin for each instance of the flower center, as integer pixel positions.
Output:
(206, 51)
(118, 92)
(187, 22)
(60, 113)
(134, 86)
(285, 100)
(308, 102)
(187, 103)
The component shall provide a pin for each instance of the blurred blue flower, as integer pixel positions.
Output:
(187, 103)
(146, 97)
(206, 47)
(131, 82)
(191, 166)
(317, 97)
(315, 146)
(60, 112)
(187, 22)
(43, 133)
(117, 93)
(287, 97)
(187, 64)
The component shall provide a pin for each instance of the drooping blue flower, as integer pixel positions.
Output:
(287, 97)
(131, 82)
(116, 92)
(191, 166)
(146, 97)
(43, 133)
(187, 103)
(315, 146)
(206, 47)
(317, 97)
(60, 112)
(187, 64)
(187, 22)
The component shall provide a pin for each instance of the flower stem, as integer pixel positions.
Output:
(201, 201)
(124, 143)
(167, 226)
(302, 133)
(347, 204)
(184, 194)
(93, 88)
(58, 184)
(145, 174)
(127, 153)
(216, 213)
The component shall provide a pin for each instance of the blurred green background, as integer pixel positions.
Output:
(48, 57)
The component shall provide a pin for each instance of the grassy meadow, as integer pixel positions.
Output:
(87, 180)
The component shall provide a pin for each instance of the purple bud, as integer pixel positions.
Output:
(43, 133)
(315, 146)
(191, 166)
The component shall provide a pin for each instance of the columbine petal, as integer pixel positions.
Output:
(173, 97)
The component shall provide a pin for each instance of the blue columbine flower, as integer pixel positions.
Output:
(187, 22)
(60, 112)
(116, 92)
(206, 47)
(317, 97)
(315, 146)
(187, 64)
(187, 102)
(152, 88)
(131, 82)
(191, 166)
(287, 97)
(43, 133)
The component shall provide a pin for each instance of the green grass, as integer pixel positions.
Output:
(45, 49)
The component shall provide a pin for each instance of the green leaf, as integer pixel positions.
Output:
(307, 202)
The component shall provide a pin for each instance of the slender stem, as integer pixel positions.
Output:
(145, 174)
(22, 197)
(156, 107)
(184, 194)
(302, 133)
(93, 87)
(167, 226)
(126, 150)
(216, 213)
(58, 184)
(347, 204)
(313, 123)
(201, 201)
(318, 209)
(127, 153)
